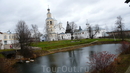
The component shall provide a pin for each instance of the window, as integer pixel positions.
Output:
(50, 22)
(5, 37)
(47, 22)
(12, 37)
(5, 42)
(9, 37)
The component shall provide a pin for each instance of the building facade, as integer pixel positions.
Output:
(56, 32)
(6, 39)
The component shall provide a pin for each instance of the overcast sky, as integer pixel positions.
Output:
(102, 12)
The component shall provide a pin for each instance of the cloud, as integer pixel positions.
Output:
(102, 12)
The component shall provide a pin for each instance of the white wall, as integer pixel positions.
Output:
(9, 39)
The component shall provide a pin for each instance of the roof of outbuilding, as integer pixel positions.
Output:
(1, 33)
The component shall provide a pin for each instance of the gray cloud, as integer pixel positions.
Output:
(102, 12)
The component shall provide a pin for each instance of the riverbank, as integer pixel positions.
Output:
(49, 45)
(43, 52)
(121, 64)
(123, 59)
(47, 52)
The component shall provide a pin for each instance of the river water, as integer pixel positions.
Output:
(66, 62)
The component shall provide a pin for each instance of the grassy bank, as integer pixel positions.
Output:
(6, 50)
(74, 44)
(1, 56)
(66, 43)
(124, 63)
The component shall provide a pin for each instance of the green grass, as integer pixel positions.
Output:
(125, 63)
(1, 56)
(6, 50)
(65, 43)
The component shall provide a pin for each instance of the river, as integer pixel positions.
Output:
(66, 62)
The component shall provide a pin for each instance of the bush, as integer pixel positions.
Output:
(27, 52)
(102, 62)
(124, 48)
(6, 66)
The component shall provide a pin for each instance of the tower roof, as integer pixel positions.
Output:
(48, 14)
(48, 10)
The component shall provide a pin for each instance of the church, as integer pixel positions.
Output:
(55, 31)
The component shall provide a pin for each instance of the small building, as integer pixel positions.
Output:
(64, 36)
(126, 33)
(6, 39)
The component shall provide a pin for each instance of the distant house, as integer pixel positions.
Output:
(82, 34)
(126, 33)
(6, 39)
(64, 36)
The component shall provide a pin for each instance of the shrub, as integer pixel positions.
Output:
(27, 52)
(102, 62)
(124, 48)
(6, 66)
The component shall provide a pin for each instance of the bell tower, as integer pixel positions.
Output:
(48, 14)
(49, 22)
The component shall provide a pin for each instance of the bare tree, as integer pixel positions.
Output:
(35, 33)
(23, 35)
(127, 1)
(92, 31)
(46, 33)
(120, 27)
(73, 27)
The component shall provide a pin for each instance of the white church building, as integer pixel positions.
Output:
(56, 32)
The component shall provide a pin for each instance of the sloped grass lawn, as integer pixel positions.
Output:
(65, 43)
(1, 56)
(6, 50)
(124, 64)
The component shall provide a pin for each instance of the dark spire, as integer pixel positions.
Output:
(48, 9)
(68, 28)
(127, 1)
(80, 28)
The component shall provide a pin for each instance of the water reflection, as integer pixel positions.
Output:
(73, 58)
(71, 61)
(52, 66)
(91, 53)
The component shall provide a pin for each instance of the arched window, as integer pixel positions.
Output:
(50, 22)
(9, 37)
(5, 37)
(47, 22)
